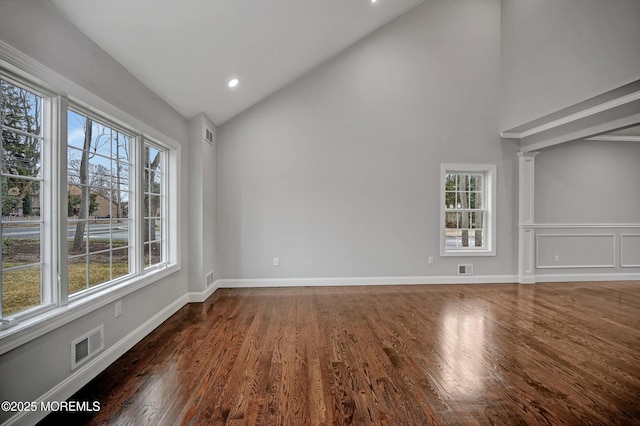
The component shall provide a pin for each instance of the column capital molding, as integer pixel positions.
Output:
(529, 154)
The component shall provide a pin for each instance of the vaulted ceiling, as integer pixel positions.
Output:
(187, 51)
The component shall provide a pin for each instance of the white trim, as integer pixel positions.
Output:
(615, 276)
(583, 133)
(615, 138)
(54, 318)
(364, 281)
(199, 297)
(631, 97)
(84, 375)
(622, 265)
(580, 225)
(613, 251)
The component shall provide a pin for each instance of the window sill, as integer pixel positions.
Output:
(52, 319)
(467, 253)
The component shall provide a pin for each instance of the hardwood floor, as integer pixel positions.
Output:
(414, 355)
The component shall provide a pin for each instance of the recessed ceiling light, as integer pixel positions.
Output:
(373, 1)
(233, 83)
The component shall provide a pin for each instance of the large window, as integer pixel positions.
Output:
(21, 225)
(98, 194)
(85, 203)
(467, 210)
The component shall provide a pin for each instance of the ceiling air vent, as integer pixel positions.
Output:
(208, 135)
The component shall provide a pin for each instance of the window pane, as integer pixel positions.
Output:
(153, 208)
(75, 162)
(20, 154)
(451, 220)
(79, 199)
(121, 147)
(99, 173)
(20, 245)
(479, 202)
(77, 245)
(99, 236)
(77, 274)
(449, 200)
(477, 239)
(99, 268)
(20, 290)
(453, 239)
(465, 220)
(101, 142)
(120, 205)
(153, 253)
(20, 109)
(120, 175)
(75, 130)
(478, 220)
(20, 197)
(120, 259)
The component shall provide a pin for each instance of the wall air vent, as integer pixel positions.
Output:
(465, 269)
(208, 135)
(85, 347)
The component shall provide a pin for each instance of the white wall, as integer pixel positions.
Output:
(588, 182)
(36, 29)
(587, 210)
(338, 174)
(558, 53)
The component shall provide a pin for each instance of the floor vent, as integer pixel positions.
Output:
(85, 347)
(465, 269)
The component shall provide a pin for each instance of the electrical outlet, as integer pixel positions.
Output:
(430, 260)
(276, 261)
(118, 308)
(556, 259)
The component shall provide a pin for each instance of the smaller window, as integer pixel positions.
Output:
(153, 205)
(467, 209)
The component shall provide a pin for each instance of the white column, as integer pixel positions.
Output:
(526, 207)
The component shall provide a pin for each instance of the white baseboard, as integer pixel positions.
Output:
(84, 375)
(199, 297)
(354, 281)
(547, 278)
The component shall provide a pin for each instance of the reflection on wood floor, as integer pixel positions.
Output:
(416, 355)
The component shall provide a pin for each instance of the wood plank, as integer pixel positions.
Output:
(553, 353)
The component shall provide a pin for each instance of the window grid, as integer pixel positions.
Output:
(98, 180)
(465, 211)
(21, 225)
(154, 206)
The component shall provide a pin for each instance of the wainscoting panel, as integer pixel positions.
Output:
(555, 251)
(630, 250)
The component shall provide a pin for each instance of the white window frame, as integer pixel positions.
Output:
(62, 309)
(489, 172)
(135, 186)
